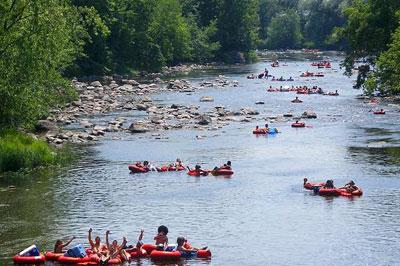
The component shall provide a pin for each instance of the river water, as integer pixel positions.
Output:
(259, 216)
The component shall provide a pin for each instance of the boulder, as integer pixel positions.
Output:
(45, 126)
(141, 107)
(249, 111)
(137, 127)
(96, 84)
(310, 115)
(204, 120)
(206, 99)
(132, 82)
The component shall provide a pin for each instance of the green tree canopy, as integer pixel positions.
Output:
(284, 31)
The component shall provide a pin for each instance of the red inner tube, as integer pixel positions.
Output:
(149, 248)
(345, 193)
(379, 112)
(222, 172)
(138, 254)
(329, 192)
(196, 173)
(298, 125)
(165, 255)
(259, 131)
(29, 259)
(204, 254)
(52, 256)
(72, 260)
(137, 169)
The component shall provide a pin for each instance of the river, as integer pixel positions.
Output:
(259, 216)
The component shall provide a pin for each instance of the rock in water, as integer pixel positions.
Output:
(308, 114)
(136, 127)
(204, 120)
(206, 99)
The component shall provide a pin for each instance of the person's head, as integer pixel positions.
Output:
(97, 240)
(180, 241)
(229, 163)
(257, 127)
(266, 125)
(215, 168)
(115, 243)
(352, 182)
(162, 229)
(146, 163)
(197, 167)
(297, 121)
(305, 180)
(58, 242)
(297, 98)
(178, 160)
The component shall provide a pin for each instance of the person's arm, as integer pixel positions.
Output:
(123, 244)
(107, 242)
(166, 241)
(69, 242)
(90, 238)
(141, 235)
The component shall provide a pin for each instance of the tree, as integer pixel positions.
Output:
(284, 31)
(368, 29)
(170, 31)
(238, 25)
(38, 40)
(320, 18)
(387, 75)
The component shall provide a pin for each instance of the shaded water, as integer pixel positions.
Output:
(260, 216)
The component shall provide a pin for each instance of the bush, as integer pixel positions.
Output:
(20, 151)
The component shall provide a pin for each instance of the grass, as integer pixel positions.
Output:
(20, 151)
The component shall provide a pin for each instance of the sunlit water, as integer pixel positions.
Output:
(259, 216)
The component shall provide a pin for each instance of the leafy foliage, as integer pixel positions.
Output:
(284, 31)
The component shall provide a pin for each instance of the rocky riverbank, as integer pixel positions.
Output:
(125, 96)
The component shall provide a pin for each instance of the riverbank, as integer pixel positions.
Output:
(19, 151)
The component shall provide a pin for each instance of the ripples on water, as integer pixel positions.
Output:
(260, 216)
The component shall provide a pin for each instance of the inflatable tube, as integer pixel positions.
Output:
(162, 169)
(72, 260)
(115, 261)
(300, 124)
(379, 112)
(138, 254)
(204, 254)
(272, 130)
(149, 248)
(29, 259)
(180, 168)
(329, 192)
(222, 172)
(196, 173)
(165, 255)
(137, 169)
(259, 131)
(52, 256)
(343, 192)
